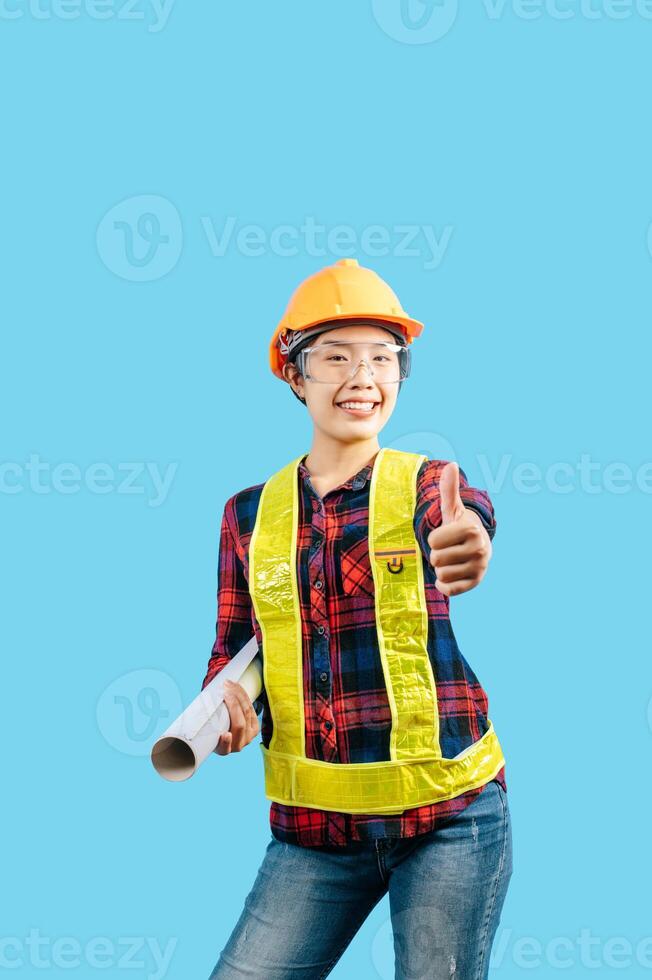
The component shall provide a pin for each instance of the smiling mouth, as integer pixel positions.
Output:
(359, 409)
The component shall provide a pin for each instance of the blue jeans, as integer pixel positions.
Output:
(446, 892)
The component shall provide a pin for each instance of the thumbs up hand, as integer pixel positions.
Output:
(460, 546)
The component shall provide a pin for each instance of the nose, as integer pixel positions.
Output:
(354, 374)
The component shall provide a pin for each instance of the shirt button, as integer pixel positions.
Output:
(320, 629)
(328, 726)
(323, 676)
(318, 583)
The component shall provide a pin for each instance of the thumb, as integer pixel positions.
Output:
(452, 507)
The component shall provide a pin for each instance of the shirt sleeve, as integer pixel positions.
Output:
(234, 625)
(427, 514)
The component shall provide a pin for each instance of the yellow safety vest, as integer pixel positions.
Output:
(416, 773)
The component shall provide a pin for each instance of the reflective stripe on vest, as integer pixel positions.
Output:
(416, 773)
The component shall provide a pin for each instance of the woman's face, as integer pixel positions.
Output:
(324, 400)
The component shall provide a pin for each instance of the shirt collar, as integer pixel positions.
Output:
(355, 482)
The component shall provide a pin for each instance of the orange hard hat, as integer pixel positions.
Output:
(343, 291)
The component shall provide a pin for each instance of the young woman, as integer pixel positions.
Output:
(383, 767)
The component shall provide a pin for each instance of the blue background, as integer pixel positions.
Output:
(529, 140)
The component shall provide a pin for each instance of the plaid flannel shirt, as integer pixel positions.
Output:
(347, 713)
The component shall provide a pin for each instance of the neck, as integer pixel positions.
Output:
(333, 461)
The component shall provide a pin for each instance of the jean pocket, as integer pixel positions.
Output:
(491, 796)
(502, 792)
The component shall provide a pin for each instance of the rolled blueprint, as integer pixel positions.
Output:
(181, 749)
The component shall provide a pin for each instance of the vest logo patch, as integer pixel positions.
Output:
(395, 563)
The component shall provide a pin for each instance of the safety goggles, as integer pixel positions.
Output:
(334, 362)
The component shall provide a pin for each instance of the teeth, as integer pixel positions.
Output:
(366, 406)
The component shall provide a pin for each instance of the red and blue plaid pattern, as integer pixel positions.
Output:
(347, 712)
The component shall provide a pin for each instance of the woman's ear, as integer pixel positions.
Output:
(294, 379)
